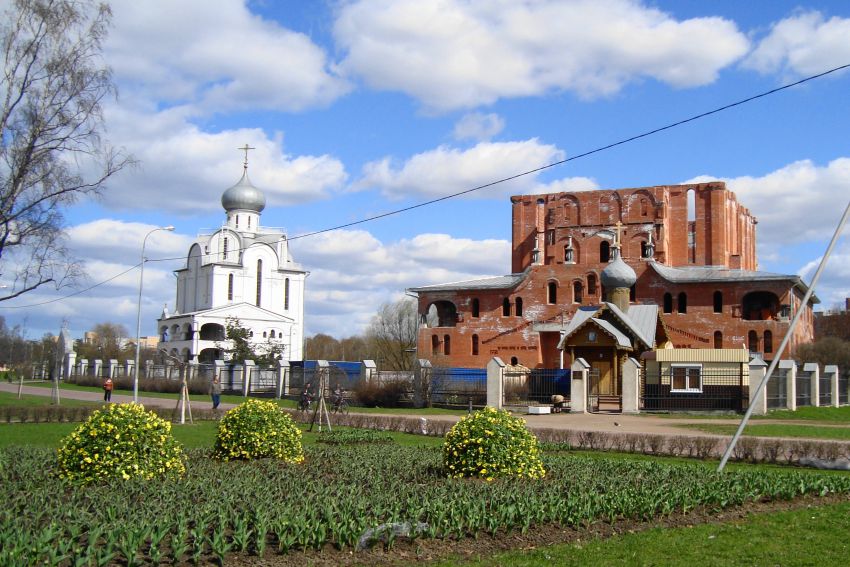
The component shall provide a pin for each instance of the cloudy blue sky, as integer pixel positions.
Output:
(360, 107)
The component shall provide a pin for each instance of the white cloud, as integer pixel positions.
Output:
(217, 59)
(803, 44)
(800, 202)
(459, 54)
(185, 169)
(446, 170)
(478, 126)
(352, 273)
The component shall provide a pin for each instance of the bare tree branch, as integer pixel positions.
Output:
(51, 124)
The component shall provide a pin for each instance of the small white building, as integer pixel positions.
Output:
(240, 270)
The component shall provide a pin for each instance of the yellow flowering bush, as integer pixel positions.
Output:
(120, 441)
(491, 443)
(258, 429)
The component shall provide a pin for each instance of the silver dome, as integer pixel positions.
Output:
(243, 196)
(618, 274)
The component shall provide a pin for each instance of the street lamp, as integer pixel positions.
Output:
(139, 313)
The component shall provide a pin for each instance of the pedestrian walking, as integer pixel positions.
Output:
(215, 392)
(107, 390)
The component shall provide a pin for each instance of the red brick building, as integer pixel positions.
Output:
(692, 248)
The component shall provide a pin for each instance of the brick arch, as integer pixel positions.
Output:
(610, 208)
(571, 209)
(640, 206)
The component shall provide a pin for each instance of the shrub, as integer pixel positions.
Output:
(491, 443)
(382, 395)
(258, 429)
(120, 441)
(355, 436)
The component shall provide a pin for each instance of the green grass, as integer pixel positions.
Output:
(777, 430)
(234, 399)
(28, 400)
(810, 413)
(811, 536)
(805, 413)
(201, 434)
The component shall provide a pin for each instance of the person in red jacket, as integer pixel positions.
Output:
(107, 390)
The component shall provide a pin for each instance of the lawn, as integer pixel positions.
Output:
(808, 537)
(233, 399)
(840, 415)
(27, 400)
(777, 430)
(200, 435)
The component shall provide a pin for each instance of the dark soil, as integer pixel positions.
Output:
(409, 552)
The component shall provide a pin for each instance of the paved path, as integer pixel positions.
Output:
(579, 422)
(613, 423)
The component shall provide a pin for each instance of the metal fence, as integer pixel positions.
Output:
(804, 388)
(455, 387)
(777, 392)
(537, 386)
(707, 390)
(825, 391)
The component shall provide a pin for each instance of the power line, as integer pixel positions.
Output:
(485, 185)
(70, 295)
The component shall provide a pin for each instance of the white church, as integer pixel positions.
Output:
(240, 270)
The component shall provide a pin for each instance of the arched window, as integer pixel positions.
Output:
(251, 334)
(447, 345)
(272, 334)
(718, 302)
(474, 345)
(718, 339)
(753, 341)
(633, 293)
(552, 293)
(577, 292)
(644, 207)
(604, 251)
(237, 221)
(668, 303)
(591, 284)
(230, 287)
(265, 335)
(768, 342)
(224, 249)
(249, 222)
(506, 307)
(435, 344)
(476, 307)
(683, 302)
(259, 281)
(286, 293)
(519, 307)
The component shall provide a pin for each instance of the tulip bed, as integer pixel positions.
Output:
(337, 494)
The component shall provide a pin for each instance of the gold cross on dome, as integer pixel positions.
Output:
(245, 149)
(617, 229)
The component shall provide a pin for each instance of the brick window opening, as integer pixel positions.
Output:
(604, 251)
(718, 339)
(668, 303)
(474, 345)
(519, 307)
(683, 302)
(476, 308)
(506, 307)
(552, 293)
(718, 302)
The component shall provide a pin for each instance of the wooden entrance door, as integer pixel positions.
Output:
(606, 378)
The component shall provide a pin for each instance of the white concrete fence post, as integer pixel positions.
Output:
(97, 364)
(68, 365)
(831, 370)
(579, 374)
(814, 372)
(790, 368)
(368, 371)
(247, 372)
(218, 372)
(422, 383)
(495, 382)
(84, 366)
(282, 379)
(631, 386)
(758, 368)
